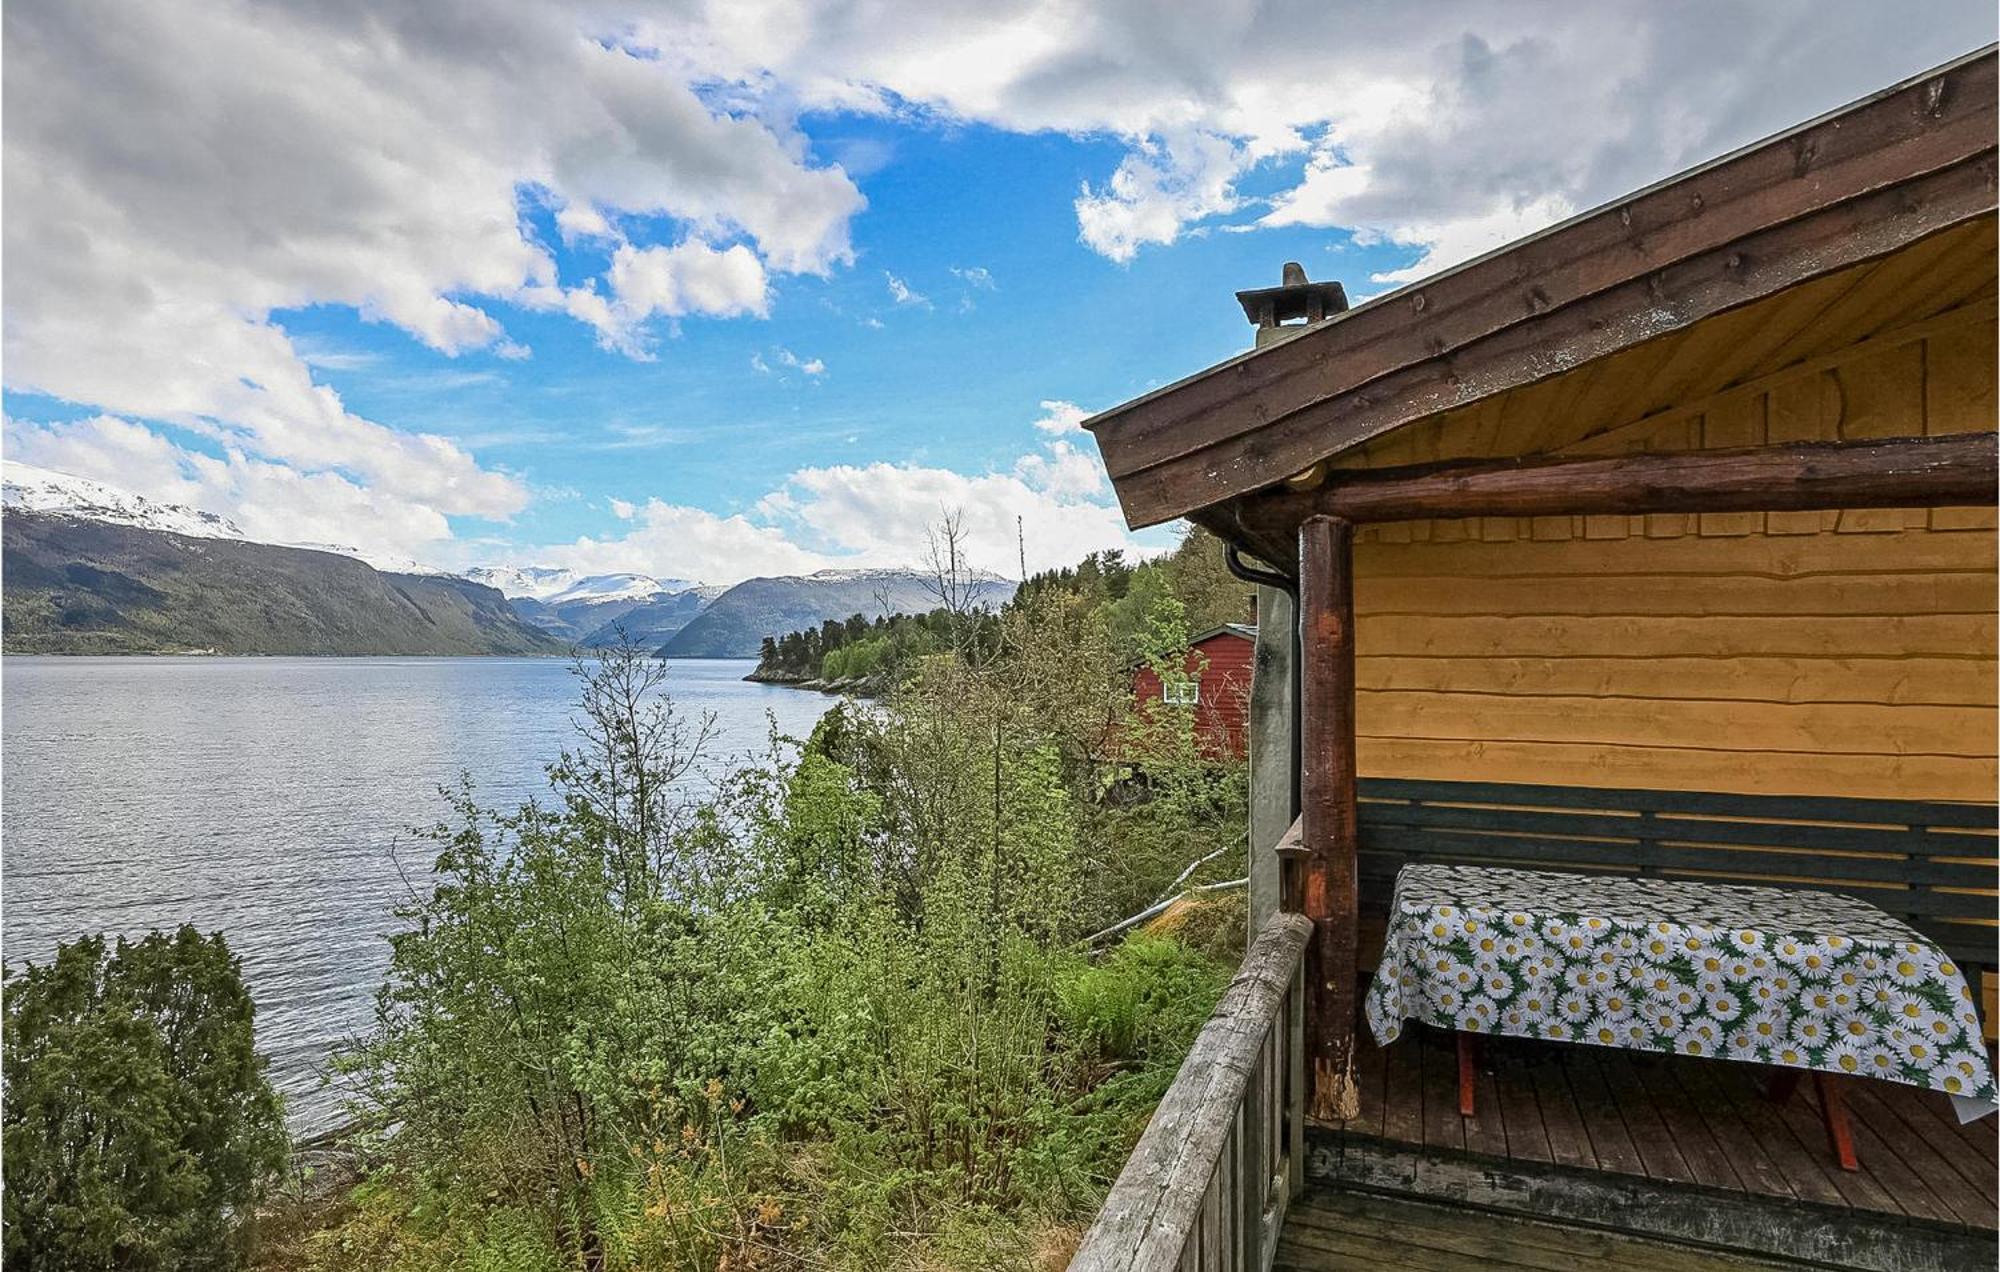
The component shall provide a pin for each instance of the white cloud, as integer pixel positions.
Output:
(1157, 190)
(901, 292)
(687, 278)
(1062, 471)
(804, 366)
(875, 514)
(675, 541)
(270, 502)
(176, 173)
(1481, 113)
(811, 368)
(1061, 419)
(623, 509)
(181, 175)
(974, 276)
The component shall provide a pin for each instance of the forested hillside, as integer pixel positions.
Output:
(866, 654)
(76, 586)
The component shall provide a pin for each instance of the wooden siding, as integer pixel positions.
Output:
(1221, 666)
(1836, 653)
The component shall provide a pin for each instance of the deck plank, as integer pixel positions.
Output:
(1662, 1157)
(1339, 1230)
(1610, 1142)
(1403, 1089)
(1703, 1096)
(1881, 1161)
(1527, 1136)
(1443, 1128)
(1676, 1120)
(1568, 1143)
(1860, 1187)
(1874, 1103)
(1977, 1156)
(1806, 1168)
(1706, 1160)
(1982, 1136)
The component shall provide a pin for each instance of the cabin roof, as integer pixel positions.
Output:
(1247, 631)
(1853, 186)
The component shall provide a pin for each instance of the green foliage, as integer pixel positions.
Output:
(139, 1125)
(835, 1005)
(872, 652)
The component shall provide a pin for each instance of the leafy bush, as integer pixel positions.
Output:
(832, 1006)
(140, 1127)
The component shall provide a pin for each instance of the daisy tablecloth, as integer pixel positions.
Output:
(1808, 980)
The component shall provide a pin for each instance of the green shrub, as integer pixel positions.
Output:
(140, 1128)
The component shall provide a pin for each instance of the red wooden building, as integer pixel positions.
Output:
(1215, 681)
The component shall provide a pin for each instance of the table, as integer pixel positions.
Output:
(1802, 980)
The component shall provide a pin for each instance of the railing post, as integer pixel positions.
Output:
(1328, 819)
(1295, 1084)
(1194, 1192)
(1254, 1179)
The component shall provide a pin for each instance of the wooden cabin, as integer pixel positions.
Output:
(1657, 545)
(1214, 680)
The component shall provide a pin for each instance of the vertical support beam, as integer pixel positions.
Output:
(1271, 707)
(1329, 829)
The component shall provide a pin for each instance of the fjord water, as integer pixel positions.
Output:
(273, 798)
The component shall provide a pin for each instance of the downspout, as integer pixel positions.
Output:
(1233, 560)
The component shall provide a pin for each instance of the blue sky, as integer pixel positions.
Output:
(634, 303)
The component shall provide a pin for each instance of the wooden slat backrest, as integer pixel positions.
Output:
(1931, 864)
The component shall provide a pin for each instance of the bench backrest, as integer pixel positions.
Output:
(1933, 865)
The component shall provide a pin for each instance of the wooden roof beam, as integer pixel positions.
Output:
(1961, 470)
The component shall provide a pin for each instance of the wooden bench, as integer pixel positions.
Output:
(1931, 864)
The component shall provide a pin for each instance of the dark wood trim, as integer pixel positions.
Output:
(1849, 188)
(1898, 472)
(1330, 829)
(1961, 470)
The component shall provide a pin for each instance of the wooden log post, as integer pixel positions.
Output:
(1327, 816)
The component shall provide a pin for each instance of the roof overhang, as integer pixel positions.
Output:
(1858, 184)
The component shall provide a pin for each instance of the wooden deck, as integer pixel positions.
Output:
(1682, 1121)
(1337, 1231)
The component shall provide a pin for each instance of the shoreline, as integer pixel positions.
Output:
(844, 688)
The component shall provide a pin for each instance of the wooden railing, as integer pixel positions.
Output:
(1207, 1186)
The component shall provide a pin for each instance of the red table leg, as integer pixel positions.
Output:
(1465, 1066)
(1833, 1110)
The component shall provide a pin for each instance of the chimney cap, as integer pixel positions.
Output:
(1293, 298)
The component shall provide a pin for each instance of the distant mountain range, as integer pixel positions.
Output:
(597, 610)
(735, 624)
(77, 586)
(90, 568)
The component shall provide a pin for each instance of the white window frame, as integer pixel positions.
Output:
(1181, 693)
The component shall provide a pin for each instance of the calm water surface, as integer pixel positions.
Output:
(272, 797)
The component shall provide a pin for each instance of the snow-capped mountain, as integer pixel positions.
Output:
(556, 585)
(618, 587)
(44, 490)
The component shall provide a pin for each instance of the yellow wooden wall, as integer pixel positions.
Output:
(1839, 653)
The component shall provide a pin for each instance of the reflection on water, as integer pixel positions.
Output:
(266, 797)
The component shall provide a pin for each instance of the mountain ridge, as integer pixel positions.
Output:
(80, 586)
